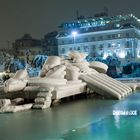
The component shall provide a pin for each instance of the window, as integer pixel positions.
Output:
(63, 50)
(109, 36)
(62, 42)
(101, 53)
(70, 41)
(118, 44)
(109, 53)
(109, 45)
(128, 53)
(92, 38)
(113, 36)
(101, 47)
(118, 52)
(78, 40)
(86, 39)
(75, 48)
(119, 35)
(127, 35)
(128, 44)
(79, 48)
(93, 47)
(100, 38)
(86, 49)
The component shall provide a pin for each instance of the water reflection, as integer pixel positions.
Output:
(80, 119)
(117, 121)
(107, 130)
(112, 126)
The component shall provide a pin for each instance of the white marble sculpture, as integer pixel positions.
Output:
(66, 78)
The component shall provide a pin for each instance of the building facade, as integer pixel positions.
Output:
(27, 47)
(50, 43)
(101, 37)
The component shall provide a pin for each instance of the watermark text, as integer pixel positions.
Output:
(125, 112)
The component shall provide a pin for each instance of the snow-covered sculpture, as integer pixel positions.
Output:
(99, 66)
(17, 83)
(57, 72)
(66, 78)
(51, 62)
(72, 72)
(76, 57)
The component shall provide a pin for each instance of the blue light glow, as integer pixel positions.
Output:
(122, 55)
(74, 33)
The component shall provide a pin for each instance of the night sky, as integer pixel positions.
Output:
(39, 17)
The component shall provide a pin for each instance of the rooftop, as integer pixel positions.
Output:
(99, 23)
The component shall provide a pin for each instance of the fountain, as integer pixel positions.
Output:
(61, 78)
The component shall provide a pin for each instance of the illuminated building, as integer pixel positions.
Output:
(101, 36)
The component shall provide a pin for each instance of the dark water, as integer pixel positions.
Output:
(85, 119)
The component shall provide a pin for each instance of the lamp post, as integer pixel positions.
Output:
(74, 34)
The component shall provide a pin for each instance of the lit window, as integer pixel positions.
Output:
(117, 25)
(113, 45)
(107, 21)
(119, 35)
(118, 44)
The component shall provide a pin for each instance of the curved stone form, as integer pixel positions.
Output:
(57, 72)
(58, 80)
(17, 83)
(21, 74)
(42, 82)
(75, 56)
(13, 108)
(72, 72)
(99, 66)
(51, 62)
(12, 85)
(104, 85)
(83, 66)
(68, 90)
(4, 102)
(120, 84)
(109, 84)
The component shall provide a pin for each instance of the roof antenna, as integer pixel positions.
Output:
(105, 11)
(77, 14)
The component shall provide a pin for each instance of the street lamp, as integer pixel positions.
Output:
(74, 34)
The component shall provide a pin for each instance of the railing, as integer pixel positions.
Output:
(129, 79)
